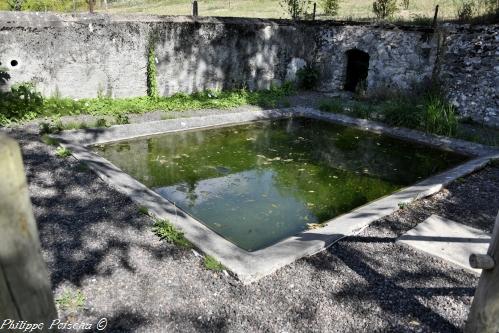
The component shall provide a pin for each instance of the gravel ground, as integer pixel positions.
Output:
(94, 240)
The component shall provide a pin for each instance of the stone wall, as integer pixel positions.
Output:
(86, 56)
(470, 70)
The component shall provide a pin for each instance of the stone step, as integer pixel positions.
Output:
(447, 240)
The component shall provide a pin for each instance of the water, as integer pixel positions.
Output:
(258, 183)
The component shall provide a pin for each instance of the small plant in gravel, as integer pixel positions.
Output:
(403, 205)
(50, 127)
(143, 210)
(48, 140)
(62, 152)
(166, 231)
(213, 264)
(71, 301)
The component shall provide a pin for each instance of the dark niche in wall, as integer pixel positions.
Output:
(357, 69)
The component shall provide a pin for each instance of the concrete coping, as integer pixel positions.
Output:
(251, 266)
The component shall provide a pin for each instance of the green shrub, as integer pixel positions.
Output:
(22, 102)
(308, 77)
(330, 7)
(295, 8)
(384, 9)
(465, 10)
(166, 231)
(406, 4)
(213, 264)
(402, 113)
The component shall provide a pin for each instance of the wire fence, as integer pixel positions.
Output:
(408, 10)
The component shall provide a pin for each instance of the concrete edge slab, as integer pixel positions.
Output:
(447, 240)
(251, 266)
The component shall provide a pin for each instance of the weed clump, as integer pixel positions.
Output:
(166, 231)
(62, 152)
(71, 301)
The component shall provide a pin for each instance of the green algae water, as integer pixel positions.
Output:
(256, 184)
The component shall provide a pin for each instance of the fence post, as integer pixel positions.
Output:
(25, 292)
(484, 313)
(314, 12)
(435, 17)
(195, 8)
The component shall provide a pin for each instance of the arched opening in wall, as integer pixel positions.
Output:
(357, 69)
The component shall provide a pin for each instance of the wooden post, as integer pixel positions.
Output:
(91, 4)
(314, 12)
(195, 8)
(435, 17)
(25, 292)
(484, 313)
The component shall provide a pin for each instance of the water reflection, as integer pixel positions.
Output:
(256, 184)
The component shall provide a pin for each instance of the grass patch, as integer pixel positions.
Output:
(62, 152)
(71, 301)
(21, 109)
(333, 105)
(213, 264)
(166, 231)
